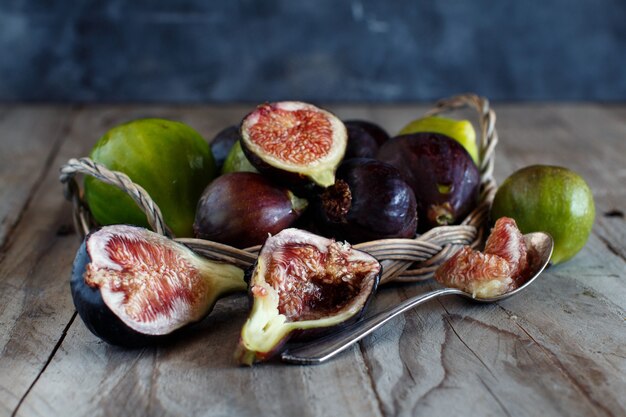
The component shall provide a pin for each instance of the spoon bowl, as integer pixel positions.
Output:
(540, 246)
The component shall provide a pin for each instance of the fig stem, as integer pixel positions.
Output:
(227, 279)
(441, 214)
(298, 204)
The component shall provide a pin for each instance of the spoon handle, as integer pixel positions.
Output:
(325, 348)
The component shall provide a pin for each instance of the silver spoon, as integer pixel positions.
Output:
(539, 246)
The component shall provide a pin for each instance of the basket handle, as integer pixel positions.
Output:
(404, 260)
(82, 216)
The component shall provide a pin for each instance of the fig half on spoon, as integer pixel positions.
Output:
(540, 246)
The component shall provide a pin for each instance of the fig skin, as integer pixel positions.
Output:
(241, 208)
(102, 318)
(373, 130)
(360, 143)
(369, 201)
(442, 174)
(222, 143)
(297, 183)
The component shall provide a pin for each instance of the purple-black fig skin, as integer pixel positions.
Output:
(222, 143)
(445, 180)
(360, 143)
(376, 132)
(241, 208)
(378, 205)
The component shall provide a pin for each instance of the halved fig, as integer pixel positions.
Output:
(295, 143)
(131, 286)
(303, 283)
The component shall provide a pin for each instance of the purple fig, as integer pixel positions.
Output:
(242, 208)
(222, 144)
(444, 178)
(369, 200)
(376, 132)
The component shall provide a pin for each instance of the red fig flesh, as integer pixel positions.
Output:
(130, 284)
(302, 282)
(294, 142)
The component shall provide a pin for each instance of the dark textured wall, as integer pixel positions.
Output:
(326, 50)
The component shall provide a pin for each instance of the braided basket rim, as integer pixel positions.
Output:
(403, 260)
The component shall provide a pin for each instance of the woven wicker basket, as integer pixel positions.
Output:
(403, 260)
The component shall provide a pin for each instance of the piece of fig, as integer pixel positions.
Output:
(507, 241)
(241, 208)
(483, 275)
(369, 200)
(132, 287)
(303, 283)
(501, 268)
(444, 178)
(294, 143)
(222, 143)
(376, 132)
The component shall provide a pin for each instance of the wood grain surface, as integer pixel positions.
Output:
(558, 349)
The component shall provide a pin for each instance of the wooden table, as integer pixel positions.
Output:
(559, 349)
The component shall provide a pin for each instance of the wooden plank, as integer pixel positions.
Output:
(458, 358)
(606, 125)
(196, 375)
(559, 348)
(29, 138)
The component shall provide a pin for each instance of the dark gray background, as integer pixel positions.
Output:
(216, 51)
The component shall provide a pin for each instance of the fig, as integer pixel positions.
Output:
(241, 208)
(460, 130)
(222, 143)
(500, 269)
(303, 283)
(552, 199)
(236, 161)
(373, 130)
(507, 241)
(170, 160)
(440, 171)
(295, 143)
(369, 200)
(360, 143)
(132, 287)
(483, 275)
